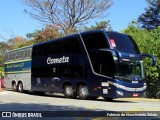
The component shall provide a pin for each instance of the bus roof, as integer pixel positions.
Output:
(19, 48)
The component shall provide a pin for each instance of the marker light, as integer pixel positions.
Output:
(113, 43)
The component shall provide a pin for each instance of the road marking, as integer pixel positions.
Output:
(142, 99)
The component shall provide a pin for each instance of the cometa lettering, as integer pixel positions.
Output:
(57, 60)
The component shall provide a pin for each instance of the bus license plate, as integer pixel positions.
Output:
(135, 94)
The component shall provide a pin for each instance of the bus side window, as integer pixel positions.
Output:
(13, 56)
(21, 54)
(95, 41)
(6, 56)
(27, 53)
(71, 45)
(71, 71)
(17, 55)
(10, 57)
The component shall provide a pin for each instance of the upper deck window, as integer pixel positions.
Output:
(95, 41)
(122, 42)
(18, 54)
(69, 45)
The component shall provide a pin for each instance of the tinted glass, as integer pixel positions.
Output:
(13, 56)
(64, 45)
(102, 62)
(123, 42)
(6, 56)
(95, 41)
(21, 54)
(129, 71)
(71, 45)
(17, 55)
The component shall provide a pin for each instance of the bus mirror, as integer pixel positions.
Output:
(154, 62)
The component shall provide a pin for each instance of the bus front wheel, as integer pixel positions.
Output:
(69, 91)
(20, 87)
(83, 92)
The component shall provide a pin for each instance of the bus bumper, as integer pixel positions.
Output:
(120, 89)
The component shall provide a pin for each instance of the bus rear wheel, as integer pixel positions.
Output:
(14, 87)
(83, 92)
(20, 87)
(69, 91)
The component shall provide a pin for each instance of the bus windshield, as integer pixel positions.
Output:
(122, 42)
(130, 71)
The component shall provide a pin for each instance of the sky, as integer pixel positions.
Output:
(15, 22)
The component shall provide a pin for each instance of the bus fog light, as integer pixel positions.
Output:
(120, 93)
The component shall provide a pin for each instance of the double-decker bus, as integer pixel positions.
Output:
(84, 65)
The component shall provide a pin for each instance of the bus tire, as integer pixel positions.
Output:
(14, 86)
(108, 99)
(69, 91)
(83, 92)
(20, 87)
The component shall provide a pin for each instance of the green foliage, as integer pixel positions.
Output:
(48, 33)
(3, 48)
(1, 69)
(99, 25)
(148, 42)
(9, 45)
(151, 18)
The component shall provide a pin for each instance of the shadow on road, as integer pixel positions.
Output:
(37, 107)
(62, 112)
(61, 96)
(50, 112)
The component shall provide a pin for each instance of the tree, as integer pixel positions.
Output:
(3, 48)
(47, 33)
(67, 13)
(99, 25)
(52, 32)
(9, 45)
(151, 18)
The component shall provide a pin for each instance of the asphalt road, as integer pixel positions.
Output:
(20, 102)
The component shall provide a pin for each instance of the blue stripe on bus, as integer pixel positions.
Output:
(19, 66)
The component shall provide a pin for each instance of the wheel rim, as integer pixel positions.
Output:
(69, 91)
(14, 86)
(83, 92)
(20, 87)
